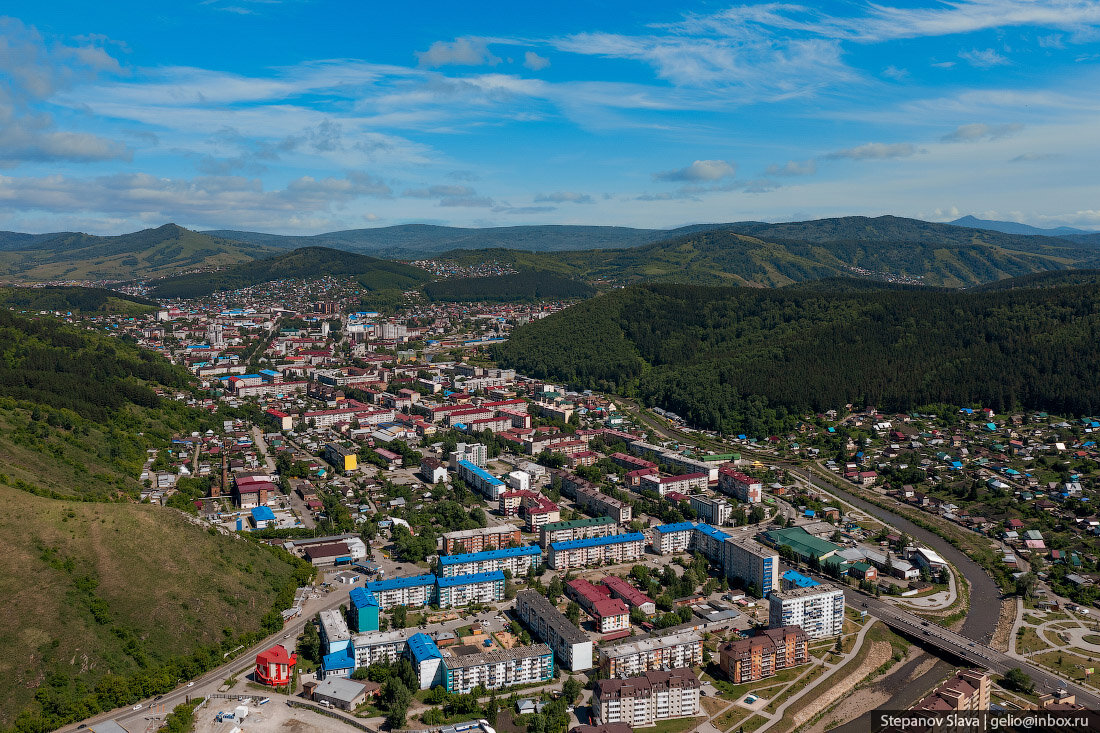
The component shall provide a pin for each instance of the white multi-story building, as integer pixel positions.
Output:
(379, 647)
(673, 538)
(499, 668)
(744, 488)
(462, 590)
(611, 550)
(418, 590)
(713, 510)
(572, 646)
(684, 483)
(335, 634)
(818, 610)
(635, 657)
(518, 560)
(480, 480)
(752, 563)
(647, 699)
(475, 453)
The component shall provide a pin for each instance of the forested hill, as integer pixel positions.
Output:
(78, 412)
(150, 252)
(416, 240)
(749, 360)
(521, 287)
(308, 262)
(74, 299)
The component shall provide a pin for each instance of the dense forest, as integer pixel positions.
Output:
(75, 299)
(51, 364)
(750, 360)
(309, 262)
(521, 287)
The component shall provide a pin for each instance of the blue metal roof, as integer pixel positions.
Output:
(445, 560)
(494, 575)
(343, 659)
(262, 513)
(361, 598)
(480, 472)
(799, 580)
(406, 582)
(598, 541)
(711, 531)
(675, 527)
(422, 647)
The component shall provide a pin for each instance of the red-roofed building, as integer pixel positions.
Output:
(610, 614)
(633, 597)
(274, 666)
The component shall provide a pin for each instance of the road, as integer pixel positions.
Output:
(964, 648)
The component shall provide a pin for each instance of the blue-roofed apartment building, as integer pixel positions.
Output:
(364, 610)
(519, 560)
(263, 517)
(426, 659)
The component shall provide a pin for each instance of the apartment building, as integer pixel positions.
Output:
(671, 458)
(638, 656)
(462, 590)
(673, 538)
(480, 480)
(379, 647)
(610, 550)
(627, 593)
(752, 563)
(647, 699)
(610, 614)
(760, 656)
(572, 646)
(475, 453)
(967, 690)
(498, 669)
(417, 590)
(578, 529)
(588, 497)
(684, 483)
(712, 510)
(481, 539)
(518, 560)
(742, 487)
(818, 610)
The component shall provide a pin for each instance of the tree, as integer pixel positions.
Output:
(310, 645)
(555, 590)
(571, 690)
(400, 616)
(407, 674)
(573, 613)
(1016, 679)
(1026, 585)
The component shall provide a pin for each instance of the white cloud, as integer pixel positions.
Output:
(1032, 157)
(978, 131)
(433, 192)
(893, 72)
(983, 59)
(875, 151)
(466, 51)
(559, 197)
(700, 170)
(793, 168)
(534, 62)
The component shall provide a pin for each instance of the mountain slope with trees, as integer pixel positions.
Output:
(150, 252)
(751, 360)
(94, 619)
(521, 287)
(309, 262)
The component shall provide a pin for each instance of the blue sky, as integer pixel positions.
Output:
(300, 116)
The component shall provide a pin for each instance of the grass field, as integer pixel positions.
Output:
(86, 596)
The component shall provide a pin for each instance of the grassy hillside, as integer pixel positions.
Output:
(109, 601)
(309, 262)
(411, 240)
(150, 252)
(749, 359)
(75, 299)
(521, 287)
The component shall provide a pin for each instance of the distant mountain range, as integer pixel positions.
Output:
(742, 253)
(409, 241)
(1012, 227)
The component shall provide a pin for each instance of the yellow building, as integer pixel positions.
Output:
(341, 456)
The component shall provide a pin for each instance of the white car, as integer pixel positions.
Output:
(138, 706)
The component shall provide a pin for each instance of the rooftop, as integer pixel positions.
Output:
(490, 555)
(490, 577)
(614, 539)
(395, 583)
(546, 610)
(498, 655)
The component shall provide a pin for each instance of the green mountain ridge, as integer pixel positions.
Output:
(148, 253)
(752, 360)
(308, 262)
